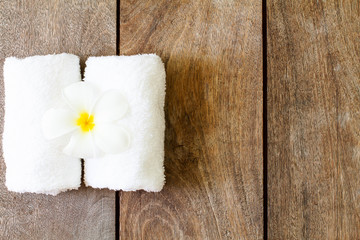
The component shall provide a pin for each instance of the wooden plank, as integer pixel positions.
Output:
(213, 56)
(313, 119)
(42, 27)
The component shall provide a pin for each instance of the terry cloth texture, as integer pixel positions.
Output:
(32, 86)
(141, 80)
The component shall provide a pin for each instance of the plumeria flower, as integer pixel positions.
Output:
(89, 120)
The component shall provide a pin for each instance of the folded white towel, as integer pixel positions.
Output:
(32, 86)
(141, 80)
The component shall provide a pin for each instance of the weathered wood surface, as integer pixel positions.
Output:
(43, 27)
(313, 119)
(213, 56)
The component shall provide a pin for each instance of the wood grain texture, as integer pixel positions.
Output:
(313, 119)
(42, 27)
(213, 56)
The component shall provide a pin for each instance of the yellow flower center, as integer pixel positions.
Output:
(86, 122)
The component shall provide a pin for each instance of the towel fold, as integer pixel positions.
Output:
(141, 80)
(32, 86)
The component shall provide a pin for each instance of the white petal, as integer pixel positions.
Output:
(80, 96)
(111, 138)
(82, 145)
(58, 122)
(110, 107)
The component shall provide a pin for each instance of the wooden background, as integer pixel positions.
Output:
(262, 130)
(313, 119)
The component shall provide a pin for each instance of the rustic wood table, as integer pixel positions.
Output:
(262, 118)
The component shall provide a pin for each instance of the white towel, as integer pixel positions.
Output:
(141, 80)
(32, 86)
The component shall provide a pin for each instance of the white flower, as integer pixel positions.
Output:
(90, 121)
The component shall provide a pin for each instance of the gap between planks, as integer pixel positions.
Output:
(117, 193)
(265, 120)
